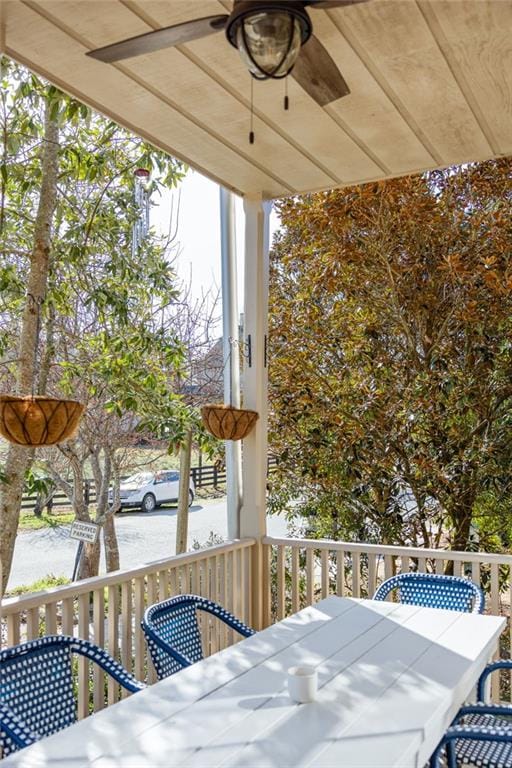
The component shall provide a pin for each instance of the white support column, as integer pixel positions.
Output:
(253, 515)
(230, 354)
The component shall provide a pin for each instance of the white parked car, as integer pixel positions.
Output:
(148, 490)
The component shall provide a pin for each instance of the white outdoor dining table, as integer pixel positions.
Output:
(391, 678)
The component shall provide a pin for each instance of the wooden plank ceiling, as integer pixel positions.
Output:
(430, 81)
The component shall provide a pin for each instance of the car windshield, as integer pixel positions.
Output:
(141, 478)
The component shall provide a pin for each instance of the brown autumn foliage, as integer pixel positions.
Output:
(391, 358)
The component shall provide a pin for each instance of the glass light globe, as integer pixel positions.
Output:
(269, 43)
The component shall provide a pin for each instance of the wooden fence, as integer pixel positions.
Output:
(205, 476)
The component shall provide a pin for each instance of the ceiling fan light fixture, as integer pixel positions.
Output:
(268, 36)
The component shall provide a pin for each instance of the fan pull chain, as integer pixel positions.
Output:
(251, 132)
(286, 99)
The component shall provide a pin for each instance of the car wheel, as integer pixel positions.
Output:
(148, 503)
(190, 498)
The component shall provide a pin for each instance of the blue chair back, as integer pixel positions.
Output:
(432, 590)
(173, 634)
(36, 682)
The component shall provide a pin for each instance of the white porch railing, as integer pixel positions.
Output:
(108, 610)
(296, 572)
(304, 571)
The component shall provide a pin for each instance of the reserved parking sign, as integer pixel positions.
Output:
(84, 531)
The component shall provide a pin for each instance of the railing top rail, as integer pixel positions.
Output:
(13, 605)
(385, 549)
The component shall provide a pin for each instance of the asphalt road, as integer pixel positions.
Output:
(142, 538)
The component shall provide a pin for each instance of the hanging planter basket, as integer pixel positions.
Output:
(227, 422)
(38, 420)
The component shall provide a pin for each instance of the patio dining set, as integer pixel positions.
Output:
(394, 678)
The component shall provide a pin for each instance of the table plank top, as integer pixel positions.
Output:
(391, 678)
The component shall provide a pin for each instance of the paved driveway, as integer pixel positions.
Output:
(142, 538)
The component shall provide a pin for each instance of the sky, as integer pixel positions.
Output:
(198, 233)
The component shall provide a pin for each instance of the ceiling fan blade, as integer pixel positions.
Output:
(160, 38)
(326, 4)
(316, 72)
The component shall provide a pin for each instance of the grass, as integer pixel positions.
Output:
(29, 522)
(47, 582)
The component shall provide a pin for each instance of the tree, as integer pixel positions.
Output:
(66, 215)
(391, 360)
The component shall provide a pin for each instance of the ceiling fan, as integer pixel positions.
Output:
(274, 37)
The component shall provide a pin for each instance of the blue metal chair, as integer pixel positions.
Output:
(14, 734)
(481, 734)
(36, 687)
(172, 631)
(432, 590)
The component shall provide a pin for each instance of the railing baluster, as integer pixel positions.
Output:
(310, 576)
(295, 580)
(98, 619)
(50, 619)
(281, 578)
(32, 623)
(475, 572)
(356, 574)
(13, 629)
(495, 609)
(203, 577)
(173, 582)
(223, 596)
(126, 629)
(266, 586)
(238, 586)
(139, 642)
(372, 574)
(324, 559)
(249, 554)
(340, 572)
(217, 597)
(163, 585)
(83, 663)
(230, 576)
(152, 590)
(244, 597)
(194, 579)
(113, 638)
(68, 616)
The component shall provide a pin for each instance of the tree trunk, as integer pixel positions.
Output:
(182, 522)
(90, 561)
(19, 459)
(105, 513)
(110, 544)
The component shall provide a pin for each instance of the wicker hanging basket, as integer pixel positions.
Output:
(227, 422)
(38, 420)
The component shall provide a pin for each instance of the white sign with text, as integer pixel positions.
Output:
(84, 531)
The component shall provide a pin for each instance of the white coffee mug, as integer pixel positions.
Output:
(302, 684)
